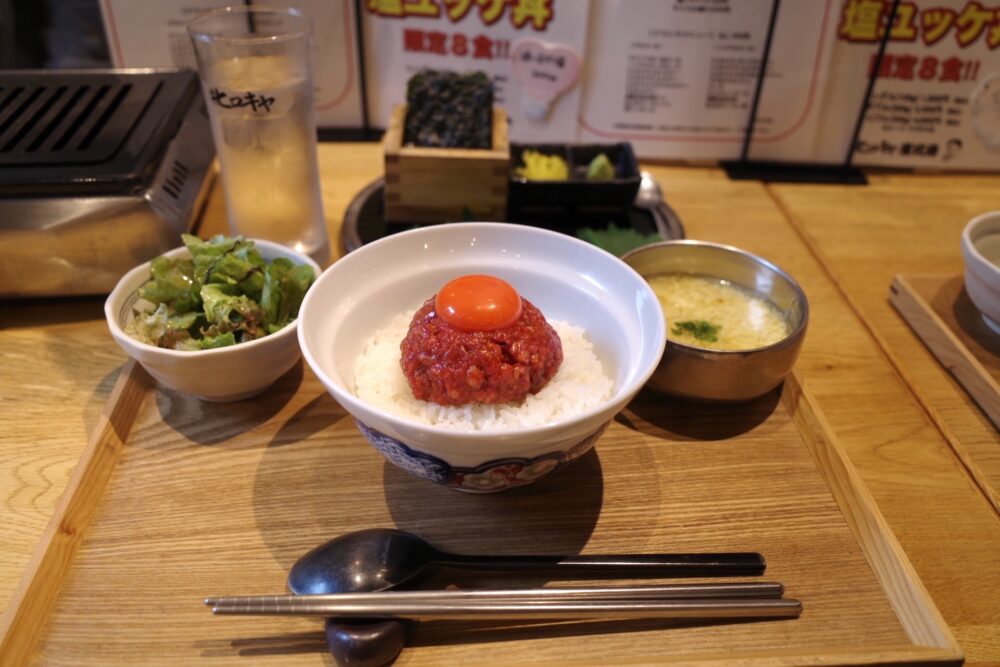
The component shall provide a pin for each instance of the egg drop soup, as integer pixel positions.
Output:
(715, 314)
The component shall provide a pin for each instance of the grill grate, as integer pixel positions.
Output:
(95, 129)
(79, 123)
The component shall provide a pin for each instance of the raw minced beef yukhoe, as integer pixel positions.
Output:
(478, 341)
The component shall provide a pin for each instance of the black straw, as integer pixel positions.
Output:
(876, 66)
(761, 73)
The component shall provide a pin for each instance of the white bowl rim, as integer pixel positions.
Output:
(790, 339)
(970, 245)
(118, 294)
(619, 398)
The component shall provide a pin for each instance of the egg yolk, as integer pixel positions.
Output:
(478, 303)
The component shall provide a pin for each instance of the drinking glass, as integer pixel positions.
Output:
(255, 65)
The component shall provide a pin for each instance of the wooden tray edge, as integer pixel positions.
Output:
(913, 605)
(26, 617)
(952, 354)
(950, 351)
(874, 655)
(29, 607)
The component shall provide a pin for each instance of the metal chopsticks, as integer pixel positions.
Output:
(669, 591)
(733, 600)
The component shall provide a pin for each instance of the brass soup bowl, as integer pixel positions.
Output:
(724, 375)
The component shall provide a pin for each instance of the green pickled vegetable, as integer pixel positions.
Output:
(600, 169)
(225, 293)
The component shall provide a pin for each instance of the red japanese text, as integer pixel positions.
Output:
(925, 68)
(479, 47)
(536, 14)
(867, 21)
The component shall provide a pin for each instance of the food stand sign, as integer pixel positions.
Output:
(402, 37)
(936, 102)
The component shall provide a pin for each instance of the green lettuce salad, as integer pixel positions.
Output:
(224, 294)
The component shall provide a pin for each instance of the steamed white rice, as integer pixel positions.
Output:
(579, 384)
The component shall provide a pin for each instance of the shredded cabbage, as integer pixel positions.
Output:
(224, 294)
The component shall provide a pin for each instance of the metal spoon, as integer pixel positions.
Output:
(382, 558)
(650, 197)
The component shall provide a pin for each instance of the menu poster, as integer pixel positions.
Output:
(676, 77)
(154, 34)
(402, 37)
(936, 102)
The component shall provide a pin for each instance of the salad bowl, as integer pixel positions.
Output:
(221, 374)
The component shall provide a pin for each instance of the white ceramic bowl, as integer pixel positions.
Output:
(224, 374)
(981, 253)
(567, 279)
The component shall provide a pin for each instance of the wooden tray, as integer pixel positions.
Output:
(942, 315)
(939, 311)
(175, 499)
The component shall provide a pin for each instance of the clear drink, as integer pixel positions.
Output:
(259, 94)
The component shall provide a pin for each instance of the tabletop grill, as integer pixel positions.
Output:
(99, 170)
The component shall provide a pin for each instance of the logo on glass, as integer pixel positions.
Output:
(255, 101)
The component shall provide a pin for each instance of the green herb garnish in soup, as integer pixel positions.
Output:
(711, 313)
(223, 294)
(700, 329)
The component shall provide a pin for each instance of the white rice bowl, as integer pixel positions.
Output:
(581, 383)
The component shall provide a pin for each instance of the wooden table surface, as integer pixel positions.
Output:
(897, 412)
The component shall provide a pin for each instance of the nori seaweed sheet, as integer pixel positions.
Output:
(449, 110)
